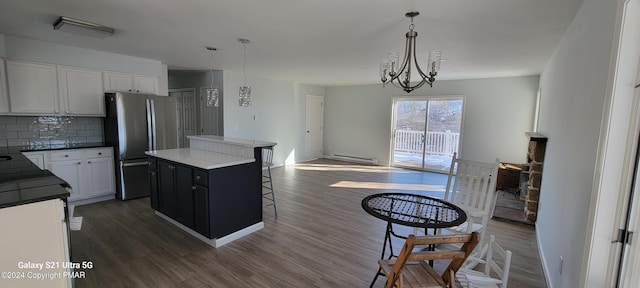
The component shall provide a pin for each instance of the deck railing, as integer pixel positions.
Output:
(437, 143)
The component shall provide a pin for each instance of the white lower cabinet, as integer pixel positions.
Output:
(101, 173)
(90, 171)
(36, 157)
(35, 233)
(71, 172)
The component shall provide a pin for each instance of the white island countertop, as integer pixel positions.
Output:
(230, 140)
(200, 158)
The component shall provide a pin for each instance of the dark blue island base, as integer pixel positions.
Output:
(216, 205)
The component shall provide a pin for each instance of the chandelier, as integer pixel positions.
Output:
(244, 92)
(213, 95)
(400, 74)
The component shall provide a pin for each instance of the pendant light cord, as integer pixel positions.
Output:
(244, 61)
(211, 69)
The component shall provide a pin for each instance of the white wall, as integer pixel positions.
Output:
(45, 52)
(279, 111)
(497, 114)
(573, 88)
(163, 81)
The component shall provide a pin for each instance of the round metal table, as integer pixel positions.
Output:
(412, 210)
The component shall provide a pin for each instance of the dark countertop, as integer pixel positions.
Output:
(22, 182)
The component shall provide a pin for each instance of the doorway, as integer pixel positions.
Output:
(314, 122)
(185, 114)
(629, 252)
(426, 131)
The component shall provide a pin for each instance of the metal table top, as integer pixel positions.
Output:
(413, 210)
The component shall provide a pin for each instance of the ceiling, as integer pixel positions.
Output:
(322, 42)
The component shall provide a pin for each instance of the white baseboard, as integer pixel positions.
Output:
(545, 266)
(216, 242)
(353, 159)
(92, 200)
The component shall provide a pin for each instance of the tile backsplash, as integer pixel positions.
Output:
(49, 130)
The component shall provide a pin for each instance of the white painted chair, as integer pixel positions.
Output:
(472, 187)
(472, 278)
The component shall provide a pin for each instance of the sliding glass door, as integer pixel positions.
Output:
(426, 131)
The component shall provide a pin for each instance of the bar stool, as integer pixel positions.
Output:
(267, 184)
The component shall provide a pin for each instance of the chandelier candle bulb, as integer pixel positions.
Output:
(434, 61)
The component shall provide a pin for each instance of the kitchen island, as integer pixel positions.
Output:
(212, 190)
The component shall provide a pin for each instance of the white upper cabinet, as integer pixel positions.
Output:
(4, 102)
(145, 84)
(33, 88)
(81, 91)
(119, 82)
(43, 89)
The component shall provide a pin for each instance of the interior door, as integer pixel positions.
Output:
(629, 257)
(630, 252)
(186, 114)
(426, 132)
(314, 123)
(189, 114)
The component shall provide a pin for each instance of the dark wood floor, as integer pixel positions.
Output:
(322, 237)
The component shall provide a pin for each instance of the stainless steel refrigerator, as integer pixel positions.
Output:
(136, 123)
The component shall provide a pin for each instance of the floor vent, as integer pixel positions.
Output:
(355, 159)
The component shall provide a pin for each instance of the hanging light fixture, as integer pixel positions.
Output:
(244, 92)
(213, 95)
(83, 28)
(400, 76)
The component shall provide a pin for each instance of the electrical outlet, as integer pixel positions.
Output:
(561, 264)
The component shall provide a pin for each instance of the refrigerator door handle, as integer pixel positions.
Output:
(154, 136)
(145, 163)
(149, 125)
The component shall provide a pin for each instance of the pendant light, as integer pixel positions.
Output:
(213, 94)
(244, 92)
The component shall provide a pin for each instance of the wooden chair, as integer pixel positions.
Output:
(409, 269)
(473, 278)
(472, 186)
